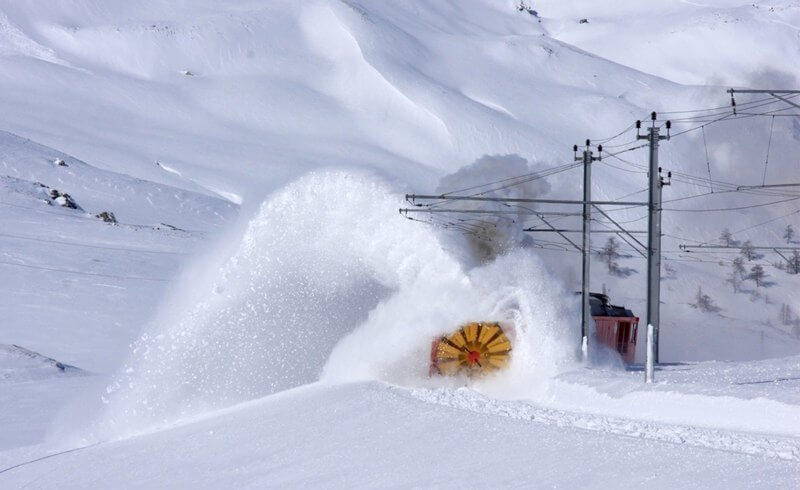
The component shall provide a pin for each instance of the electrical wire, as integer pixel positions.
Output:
(715, 108)
(624, 169)
(796, 211)
(531, 175)
(705, 115)
(709, 183)
(708, 162)
(748, 106)
(675, 135)
(518, 180)
(701, 117)
(631, 194)
(603, 141)
(739, 208)
(769, 145)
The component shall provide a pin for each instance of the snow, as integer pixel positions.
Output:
(59, 263)
(372, 435)
(260, 316)
(733, 32)
(18, 364)
(726, 440)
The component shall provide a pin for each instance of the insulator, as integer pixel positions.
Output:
(600, 148)
(588, 142)
(653, 115)
(669, 124)
(638, 124)
(575, 148)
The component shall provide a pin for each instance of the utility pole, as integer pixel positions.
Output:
(654, 232)
(649, 367)
(586, 311)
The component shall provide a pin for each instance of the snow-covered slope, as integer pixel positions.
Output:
(374, 436)
(715, 42)
(255, 154)
(76, 287)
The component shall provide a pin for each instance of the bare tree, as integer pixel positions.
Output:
(787, 318)
(737, 274)
(610, 253)
(748, 251)
(757, 274)
(788, 234)
(727, 238)
(738, 266)
(704, 302)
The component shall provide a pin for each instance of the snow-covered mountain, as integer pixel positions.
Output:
(199, 207)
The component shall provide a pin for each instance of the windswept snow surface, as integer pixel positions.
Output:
(255, 153)
(370, 435)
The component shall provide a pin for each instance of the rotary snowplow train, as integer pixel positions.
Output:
(480, 348)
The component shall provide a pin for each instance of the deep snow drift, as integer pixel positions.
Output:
(375, 436)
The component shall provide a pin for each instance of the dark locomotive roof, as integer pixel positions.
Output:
(601, 307)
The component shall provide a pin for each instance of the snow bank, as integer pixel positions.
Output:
(369, 435)
(772, 446)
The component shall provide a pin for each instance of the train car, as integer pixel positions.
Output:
(615, 326)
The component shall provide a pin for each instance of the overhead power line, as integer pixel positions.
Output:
(721, 247)
(737, 208)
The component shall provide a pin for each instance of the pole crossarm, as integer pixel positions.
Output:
(771, 92)
(483, 211)
(579, 231)
(415, 197)
(689, 248)
(741, 187)
(761, 91)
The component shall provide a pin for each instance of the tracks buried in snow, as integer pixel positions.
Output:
(786, 448)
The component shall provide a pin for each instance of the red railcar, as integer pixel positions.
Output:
(615, 326)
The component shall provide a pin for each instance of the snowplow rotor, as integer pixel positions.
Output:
(474, 349)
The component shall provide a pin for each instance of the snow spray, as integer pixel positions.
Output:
(329, 281)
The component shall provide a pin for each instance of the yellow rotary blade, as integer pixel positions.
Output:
(475, 348)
